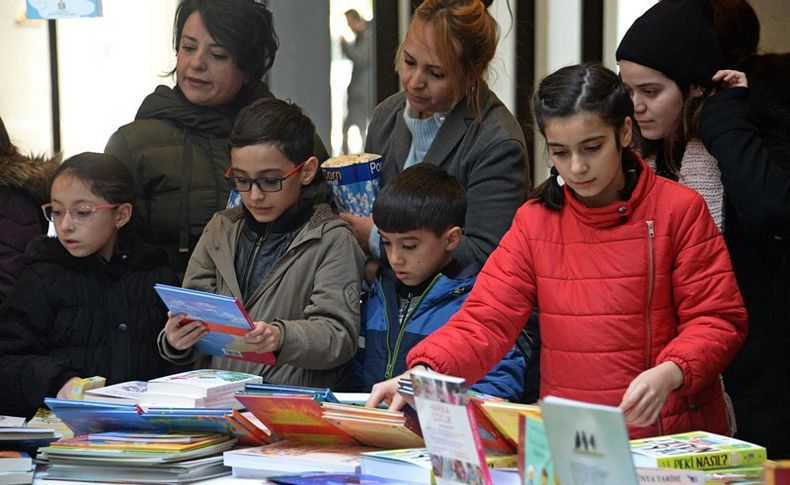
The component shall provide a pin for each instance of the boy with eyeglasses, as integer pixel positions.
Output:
(295, 267)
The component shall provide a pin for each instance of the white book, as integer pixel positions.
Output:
(121, 393)
(203, 383)
(286, 457)
(588, 442)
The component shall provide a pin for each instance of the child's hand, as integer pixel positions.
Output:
(387, 391)
(361, 226)
(729, 78)
(65, 391)
(646, 394)
(265, 337)
(180, 335)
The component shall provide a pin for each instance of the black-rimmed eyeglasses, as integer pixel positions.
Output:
(264, 184)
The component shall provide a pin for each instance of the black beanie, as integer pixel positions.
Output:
(677, 38)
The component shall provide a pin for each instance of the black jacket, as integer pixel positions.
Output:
(748, 131)
(70, 317)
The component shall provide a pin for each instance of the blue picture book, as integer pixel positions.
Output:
(323, 394)
(223, 316)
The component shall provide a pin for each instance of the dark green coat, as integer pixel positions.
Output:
(178, 153)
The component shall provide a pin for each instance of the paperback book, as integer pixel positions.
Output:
(449, 429)
(536, 464)
(697, 450)
(588, 442)
(121, 393)
(225, 318)
(286, 457)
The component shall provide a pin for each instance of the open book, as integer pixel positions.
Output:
(223, 316)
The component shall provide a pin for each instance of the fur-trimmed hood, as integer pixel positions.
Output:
(31, 174)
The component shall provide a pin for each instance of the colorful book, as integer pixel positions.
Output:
(449, 429)
(536, 465)
(306, 419)
(86, 417)
(777, 472)
(286, 457)
(588, 442)
(323, 394)
(498, 421)
(137, 442)
(225, 318)
(696, 450)
(323, 478)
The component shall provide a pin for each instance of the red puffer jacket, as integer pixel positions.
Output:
(621, 289)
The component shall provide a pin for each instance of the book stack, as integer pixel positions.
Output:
(288, 457)
(722, 459)
(204, 388)
(307, 415)
(121, 393)
(127, 456)
(16, 467)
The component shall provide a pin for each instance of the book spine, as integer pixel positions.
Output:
(720, 459)
(481, 453)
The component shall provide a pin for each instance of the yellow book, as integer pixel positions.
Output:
(504, 416)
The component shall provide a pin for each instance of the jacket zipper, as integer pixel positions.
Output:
(651, 234)
(254, 256)
(392, 355)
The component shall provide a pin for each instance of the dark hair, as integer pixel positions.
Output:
(353, 13)
(244, 27)
(582, 88)
(469, 24)
(106, 176)
(277, 122)
(7, 148)
(423, 196)
(737, 30)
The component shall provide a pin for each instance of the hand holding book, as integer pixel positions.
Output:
(264, 338)
(181, 332)
(387, 391)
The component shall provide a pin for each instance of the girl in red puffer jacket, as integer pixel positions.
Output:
(638, 303)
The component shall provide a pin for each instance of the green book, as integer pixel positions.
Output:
(696, 450)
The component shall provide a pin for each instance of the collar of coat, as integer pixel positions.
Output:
(618, 212)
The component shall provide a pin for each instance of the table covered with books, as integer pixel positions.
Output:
(286, 434)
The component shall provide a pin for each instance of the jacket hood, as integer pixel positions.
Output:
(130, 249)
(31, 174)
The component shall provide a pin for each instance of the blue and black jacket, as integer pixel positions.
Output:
(385, 340)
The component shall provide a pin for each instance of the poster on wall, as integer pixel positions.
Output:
(62, 9)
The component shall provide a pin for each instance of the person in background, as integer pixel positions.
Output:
(85, 304)
(447, 116)
(747, 128)
(420, 215)
(744, 127)
(639, 304)
(177, 147)
(24, 186)
(293, 264)
(360, 91)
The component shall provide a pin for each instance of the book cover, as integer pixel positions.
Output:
(224, 317)
(537, 466)
(297, 418)
(588, 442)
(121, 393)
(322, 478)
(696, 450)
(323, 394)
(287, 457)
(504, 416)
(202, 383)
(449, 429)
(177, 472)
(490, 435)
(137, 442)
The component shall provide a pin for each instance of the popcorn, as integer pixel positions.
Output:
(354, 180)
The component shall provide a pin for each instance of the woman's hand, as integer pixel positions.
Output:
(264, 338)
(65, 391)
(183, 335)
(387, 391)
(729, 78)
(646, 394)
(361, 226)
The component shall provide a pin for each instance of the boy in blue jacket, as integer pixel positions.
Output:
(420, 215)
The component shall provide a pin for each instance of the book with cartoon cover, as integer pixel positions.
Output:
(696, 450)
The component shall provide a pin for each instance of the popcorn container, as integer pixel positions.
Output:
(354, 180)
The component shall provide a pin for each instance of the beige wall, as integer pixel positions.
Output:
(774, 18)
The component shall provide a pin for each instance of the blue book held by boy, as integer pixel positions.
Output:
(223, 316)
